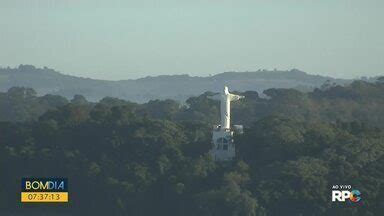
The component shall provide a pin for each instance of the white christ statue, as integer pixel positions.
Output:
(225, 106)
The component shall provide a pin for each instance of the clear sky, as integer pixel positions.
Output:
(126, 39)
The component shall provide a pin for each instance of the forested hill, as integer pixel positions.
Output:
(177, 87)
(358, 101)
(124, 158)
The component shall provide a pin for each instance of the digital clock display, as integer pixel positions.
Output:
(35, 190)
(44, 197)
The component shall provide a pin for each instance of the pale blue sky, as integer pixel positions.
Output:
(130, 39)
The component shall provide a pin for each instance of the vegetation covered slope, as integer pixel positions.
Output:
(177, 87)
(123, 158)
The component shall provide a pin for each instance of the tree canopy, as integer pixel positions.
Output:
(124, 158)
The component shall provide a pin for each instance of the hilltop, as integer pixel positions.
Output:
(177, 87)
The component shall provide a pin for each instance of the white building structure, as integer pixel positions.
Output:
(223, 148)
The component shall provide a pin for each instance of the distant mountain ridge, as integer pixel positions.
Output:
(178, 87)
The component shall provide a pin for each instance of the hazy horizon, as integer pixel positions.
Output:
(191, 75)
(118, 40)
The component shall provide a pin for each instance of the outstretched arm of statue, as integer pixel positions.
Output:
(235, 97)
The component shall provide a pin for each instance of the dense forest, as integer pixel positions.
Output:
(124, 158)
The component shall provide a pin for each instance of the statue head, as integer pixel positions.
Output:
(226, 90)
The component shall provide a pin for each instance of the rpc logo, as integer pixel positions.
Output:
(343, 195)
